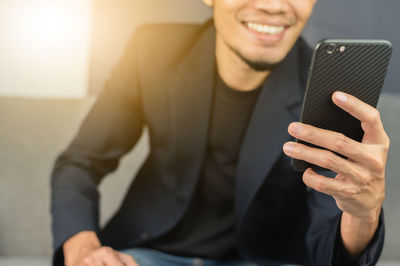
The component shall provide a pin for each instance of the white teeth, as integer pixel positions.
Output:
(265, 28)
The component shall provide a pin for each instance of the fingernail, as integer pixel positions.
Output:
(341, 97)
(309, 171)
(288, 147)
(295, 128)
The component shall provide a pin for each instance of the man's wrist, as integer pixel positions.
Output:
(371, 218)
(357, 232)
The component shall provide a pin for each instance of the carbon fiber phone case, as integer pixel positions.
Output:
(358, 69)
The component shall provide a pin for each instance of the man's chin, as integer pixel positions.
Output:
(259, 65)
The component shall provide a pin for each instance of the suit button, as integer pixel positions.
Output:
(144, 235)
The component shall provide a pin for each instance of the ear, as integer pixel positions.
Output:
(209, 3)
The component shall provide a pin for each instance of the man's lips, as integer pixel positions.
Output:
(265, 33)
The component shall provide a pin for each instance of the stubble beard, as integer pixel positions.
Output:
(257, 65)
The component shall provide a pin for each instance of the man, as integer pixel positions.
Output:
(216, 188)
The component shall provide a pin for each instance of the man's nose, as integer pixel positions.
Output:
(272, 6)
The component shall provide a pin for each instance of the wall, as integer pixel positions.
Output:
(115, 21)
(44, 47)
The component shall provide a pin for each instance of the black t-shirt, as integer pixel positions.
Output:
(207, 228)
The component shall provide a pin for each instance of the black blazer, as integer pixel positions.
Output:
(164, 82)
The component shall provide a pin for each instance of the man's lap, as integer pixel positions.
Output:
(150, 257)
(147, 257)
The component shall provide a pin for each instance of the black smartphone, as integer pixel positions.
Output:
(357, 67)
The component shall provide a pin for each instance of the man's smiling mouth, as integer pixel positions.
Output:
(264, 29)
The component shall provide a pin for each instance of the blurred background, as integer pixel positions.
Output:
(55, 55)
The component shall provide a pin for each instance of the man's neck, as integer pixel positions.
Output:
(234, 71)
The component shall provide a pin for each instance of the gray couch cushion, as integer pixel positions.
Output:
(24, 261)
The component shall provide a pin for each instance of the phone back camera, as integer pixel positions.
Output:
(330, 49)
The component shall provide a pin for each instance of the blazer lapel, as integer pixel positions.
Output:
(278, 105)
(191, 92)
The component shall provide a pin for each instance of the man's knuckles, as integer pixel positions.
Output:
(339, 143)
(88, 261)
(105, 251)
(373, 116)
(99, 254)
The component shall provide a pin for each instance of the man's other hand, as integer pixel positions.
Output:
(84, 249)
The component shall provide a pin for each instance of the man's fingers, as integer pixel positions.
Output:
(109, 257)
(106, 256)
(126, 259)
(333, 141)
(368, 115)
(329, 186)
(92, 260)
(322, 158)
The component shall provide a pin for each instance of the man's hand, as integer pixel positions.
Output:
(359, 186)
(84, 249)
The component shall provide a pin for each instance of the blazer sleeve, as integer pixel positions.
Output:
(110, 129)
(323, 236)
